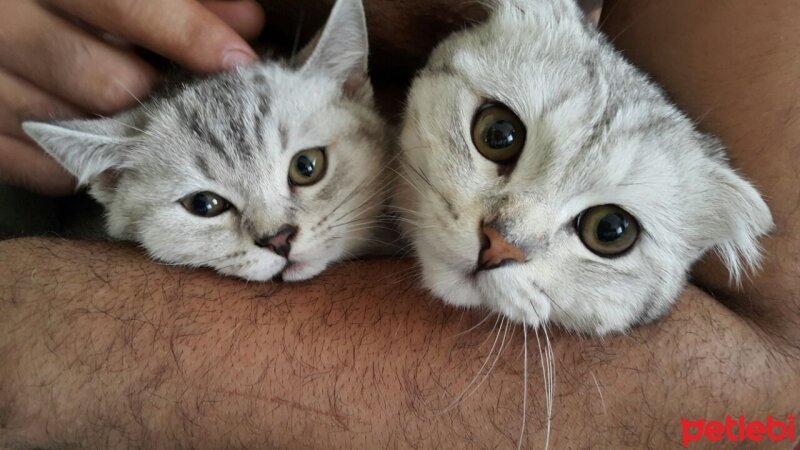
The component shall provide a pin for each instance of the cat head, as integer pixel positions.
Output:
(549, 180)
(273, 169)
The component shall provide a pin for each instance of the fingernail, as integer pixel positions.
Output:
(237, 57)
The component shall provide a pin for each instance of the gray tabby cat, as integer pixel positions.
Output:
(548, 180)
(272, 170)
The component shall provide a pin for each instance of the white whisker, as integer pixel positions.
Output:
(474, 327)
(524, 385)
(464, 395)
(599, 391)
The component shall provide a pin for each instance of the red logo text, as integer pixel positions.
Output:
(737, 430)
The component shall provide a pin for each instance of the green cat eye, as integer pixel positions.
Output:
(205, 204)
(307, 167)
(607, 230)
(498, 133)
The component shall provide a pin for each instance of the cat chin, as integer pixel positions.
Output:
(258, 271)
(502, 291)
(509, 292)
(458, 293)
(452, 286)
(302, 271)
(265, 271)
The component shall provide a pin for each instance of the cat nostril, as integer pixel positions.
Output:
(496, 251)
(280, 243)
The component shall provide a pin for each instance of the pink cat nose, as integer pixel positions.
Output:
(280, 243)
(496, 251)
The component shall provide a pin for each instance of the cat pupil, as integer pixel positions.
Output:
(500, 135)
(305, 166)
(611, 228)
(203, 204)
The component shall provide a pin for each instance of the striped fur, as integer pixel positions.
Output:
(599, 132)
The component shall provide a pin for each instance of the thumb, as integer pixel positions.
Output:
(184, 31)
(244, 16)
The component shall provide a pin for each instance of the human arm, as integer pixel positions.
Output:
(103, 349)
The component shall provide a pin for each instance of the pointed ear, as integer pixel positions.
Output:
(85, 148)
(737, 217)
(341, 49)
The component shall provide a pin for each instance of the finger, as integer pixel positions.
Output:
(244, 16)
(22, 163)
(68, 62)
(27, 166)
(21, 100)
(181, 30)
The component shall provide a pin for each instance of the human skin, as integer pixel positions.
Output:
(117, 352)
(101, 348)
(56, 63)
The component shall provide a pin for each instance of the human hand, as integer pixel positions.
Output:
(65, 58)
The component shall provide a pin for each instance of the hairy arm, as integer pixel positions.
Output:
(101, 349)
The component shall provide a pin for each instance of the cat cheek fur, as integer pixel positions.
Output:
(598, 132)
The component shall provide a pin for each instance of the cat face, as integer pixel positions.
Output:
(548, 180)
(270, 170)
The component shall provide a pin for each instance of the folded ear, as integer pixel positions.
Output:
(341, 49)
(549, 11)
(737, 216)
(85, 148)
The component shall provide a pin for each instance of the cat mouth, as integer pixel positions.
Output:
(479, 269)
(278, 278)
(473, 278)
(290, 266)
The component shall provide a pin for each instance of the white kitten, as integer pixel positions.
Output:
(272, 170)
(549, 180)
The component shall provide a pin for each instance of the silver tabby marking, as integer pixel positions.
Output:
(225, 147)
(596, 132)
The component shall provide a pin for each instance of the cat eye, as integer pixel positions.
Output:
(498, 133)
(308, 167)
(206, 204)
(607, 230)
